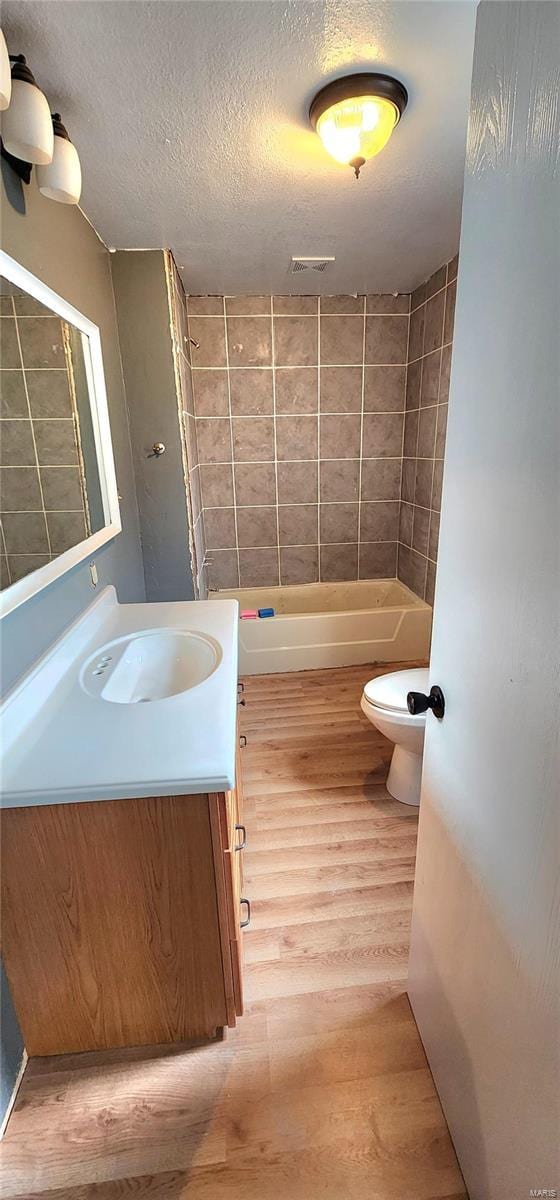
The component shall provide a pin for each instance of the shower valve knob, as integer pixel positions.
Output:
(418, 702)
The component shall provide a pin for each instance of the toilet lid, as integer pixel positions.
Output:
(390, 691)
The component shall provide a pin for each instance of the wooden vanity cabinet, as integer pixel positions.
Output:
(121, 920)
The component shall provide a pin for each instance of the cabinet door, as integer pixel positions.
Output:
(224, 805)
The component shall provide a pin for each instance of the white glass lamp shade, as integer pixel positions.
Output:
(5, 74)
(62, 178)
(27, 130)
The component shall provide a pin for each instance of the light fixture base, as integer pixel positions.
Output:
(364, 83)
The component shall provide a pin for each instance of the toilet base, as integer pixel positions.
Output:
(405, 776)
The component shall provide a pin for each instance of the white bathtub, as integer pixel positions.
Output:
(331, 625)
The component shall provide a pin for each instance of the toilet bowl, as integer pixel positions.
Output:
(384, 704)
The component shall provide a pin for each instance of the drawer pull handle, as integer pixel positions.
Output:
(242, 740)
(241, 700)
(242, 844)
(244, 924)
(240, 688)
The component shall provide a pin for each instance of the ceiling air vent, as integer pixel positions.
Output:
(305, 263)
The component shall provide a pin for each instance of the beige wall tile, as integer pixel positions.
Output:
(295, 341)
(219, 528)
(299, 564)
(205, 306)
(216, 484)
(387, 303)
(341, 389)
(292, 305)
(253, 439)
(340, 436)
(340, 480)
(342, 340)
(381, 478)
(342, 305)
(379, 521)
(378, 560)
(255, 483)
(258, 568)
(222, 569)
(386, 339)
(384, 389)
(251, 392)
(211, 395)
(297, 482)
(298, 524)
(213, 437)
(249, 341)
(246, 306)
(257, 527)
(210, 333)
(297, 390)
(338, 523)
(296, 438)
(338, 563)
(382, 435)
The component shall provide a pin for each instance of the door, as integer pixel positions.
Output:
(485, 924)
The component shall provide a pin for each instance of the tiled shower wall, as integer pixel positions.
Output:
(427, 392)
(42, 496)
(299, 406)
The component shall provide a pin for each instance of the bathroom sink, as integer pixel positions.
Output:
(150, 665)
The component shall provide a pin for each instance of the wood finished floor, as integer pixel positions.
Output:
(323, 1091)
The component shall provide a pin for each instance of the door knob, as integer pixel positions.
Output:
(418, 702)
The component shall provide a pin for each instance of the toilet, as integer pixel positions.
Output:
(384, 704)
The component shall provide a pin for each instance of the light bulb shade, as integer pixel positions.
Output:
(5, 74)
(62, 178)
(27, 130)
(355, 116)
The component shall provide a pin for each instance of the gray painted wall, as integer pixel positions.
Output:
(57, 244)
(147, 354)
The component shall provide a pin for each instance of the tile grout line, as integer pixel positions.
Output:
(361, 458)
(273, 355)
(26, 390)
(231, 443)
(319, 564)
(435, 427)
(403, 436)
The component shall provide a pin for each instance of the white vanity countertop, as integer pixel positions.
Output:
(61, 744)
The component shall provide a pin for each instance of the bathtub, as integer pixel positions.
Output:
(331, 625)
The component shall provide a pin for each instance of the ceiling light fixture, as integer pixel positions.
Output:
(355, 116)
(32, 136)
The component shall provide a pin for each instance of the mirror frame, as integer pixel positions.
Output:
(23, 589)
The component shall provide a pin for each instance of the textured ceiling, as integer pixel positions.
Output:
(190, 117)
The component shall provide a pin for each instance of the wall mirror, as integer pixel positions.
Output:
(58, 494)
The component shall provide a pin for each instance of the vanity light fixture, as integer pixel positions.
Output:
(355, 116)
(61, 179)
(27, 131)
(31, 136)
(5, 74)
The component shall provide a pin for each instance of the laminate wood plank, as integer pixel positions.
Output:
(322, 1091)
(330, 854)
(321, 937)
(312, 833)
(319, 906)
(334, 878)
